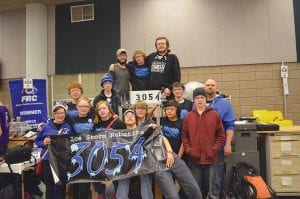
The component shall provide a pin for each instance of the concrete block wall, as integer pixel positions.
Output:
(257, 86)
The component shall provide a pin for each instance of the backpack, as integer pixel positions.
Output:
(248, 184)
(10, 186)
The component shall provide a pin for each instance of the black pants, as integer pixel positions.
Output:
(3, 148)
(81, 190)
(53, 191)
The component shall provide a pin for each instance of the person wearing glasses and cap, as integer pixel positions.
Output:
(120, 74)
(55, 126)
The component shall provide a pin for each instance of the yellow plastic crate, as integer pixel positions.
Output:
(274, 117)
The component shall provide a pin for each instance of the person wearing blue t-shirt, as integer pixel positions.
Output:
(83, 123)
(139, 72)
(75, 91)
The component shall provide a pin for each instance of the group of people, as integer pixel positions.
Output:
(197, 134)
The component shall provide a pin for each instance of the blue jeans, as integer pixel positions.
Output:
(217, 177)
(183, 176)
(146, 187)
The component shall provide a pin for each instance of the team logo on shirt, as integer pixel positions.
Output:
(171, 132)
(158, 66)
(183, 113)
(83, 127)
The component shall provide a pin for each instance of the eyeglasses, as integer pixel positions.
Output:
(62, 113)
(177, 89)
(81, 106)
(170, 109)
(140, 108)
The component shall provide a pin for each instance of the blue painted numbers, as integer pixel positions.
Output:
(137, 154)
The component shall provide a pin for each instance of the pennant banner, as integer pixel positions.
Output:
(30, 104)
(107, 155)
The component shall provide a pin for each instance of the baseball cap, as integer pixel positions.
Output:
(128, 111)
(54, 109)
(121, 50)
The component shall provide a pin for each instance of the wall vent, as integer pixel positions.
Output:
(82, 13)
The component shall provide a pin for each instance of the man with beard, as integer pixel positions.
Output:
(120, 74)
(164, 67)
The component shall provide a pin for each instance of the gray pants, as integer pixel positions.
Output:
(181, 173)
(146, 187)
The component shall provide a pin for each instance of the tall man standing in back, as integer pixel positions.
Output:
(164, 67)
(220, 104)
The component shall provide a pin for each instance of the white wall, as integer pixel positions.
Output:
(36, 40)
(201, 32)
(51, 40)
(12, 44)
(212, 32)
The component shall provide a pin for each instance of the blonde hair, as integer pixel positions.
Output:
(141, 104)
(82, 98)
(97, 117)
(138, 52)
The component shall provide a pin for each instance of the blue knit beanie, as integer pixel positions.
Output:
(107, 78)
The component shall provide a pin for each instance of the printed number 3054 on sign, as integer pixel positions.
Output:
(149, 96)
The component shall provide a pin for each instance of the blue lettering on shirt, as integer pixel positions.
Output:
(141, 72)
(183, 113)
(171, 132)
(83, 127)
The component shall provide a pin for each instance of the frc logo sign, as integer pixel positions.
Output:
(31, 95)
(29, 100)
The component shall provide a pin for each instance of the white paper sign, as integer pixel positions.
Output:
(284, 71)
(286, 162)
(286, 181)
(286, 146)
(285, 86)
(285, 137)
(150, 97)
(27, 83)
